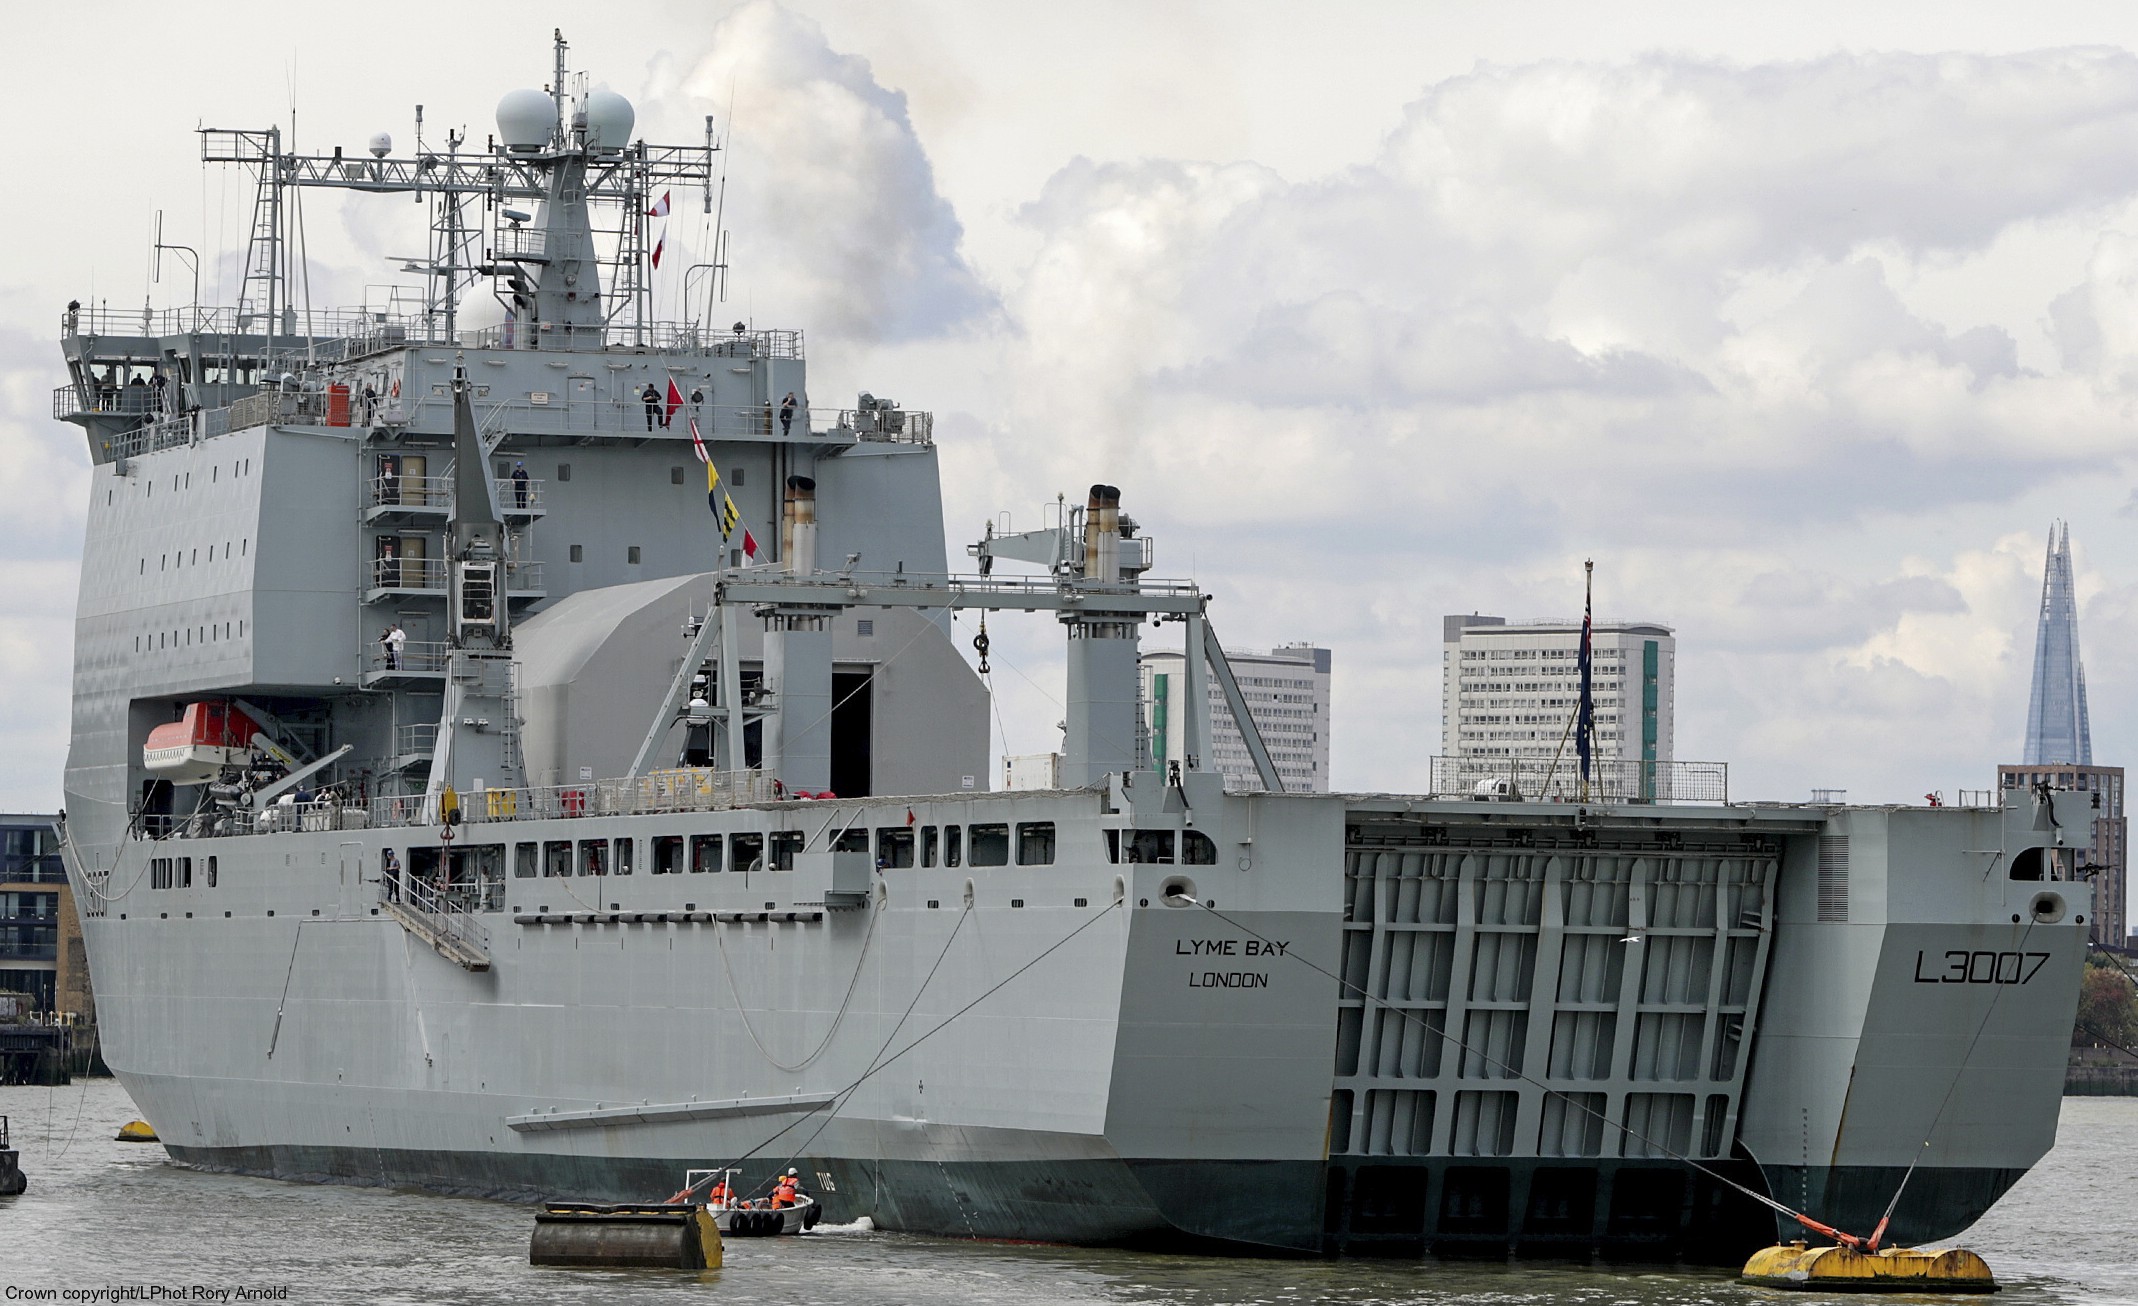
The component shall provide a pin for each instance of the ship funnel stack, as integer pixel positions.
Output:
(1102, 534)
(798, 659)
(1101, 728)
(798, 526)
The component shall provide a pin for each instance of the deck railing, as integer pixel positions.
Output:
(436, 493)
(1610, 780)
(335, 333)
(682, 790)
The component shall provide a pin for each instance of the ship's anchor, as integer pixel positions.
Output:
(979, 643)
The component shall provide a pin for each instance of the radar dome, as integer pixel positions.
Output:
(381, 145)
(526, 119)
(609, 118)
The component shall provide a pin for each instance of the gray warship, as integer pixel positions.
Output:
(543, 758)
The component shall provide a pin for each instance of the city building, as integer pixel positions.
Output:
(2058, 749)
(2101, 855)
(1510, 691)
(40, 936)
(2057, 729)
(1287, 693)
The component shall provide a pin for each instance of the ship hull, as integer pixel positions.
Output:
(1453, 1045)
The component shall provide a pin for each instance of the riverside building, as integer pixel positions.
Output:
(1510, 690)
(1287, 694)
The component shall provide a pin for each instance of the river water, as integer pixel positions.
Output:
(101, 1214)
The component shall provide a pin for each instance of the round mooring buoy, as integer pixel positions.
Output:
(1796, 1267)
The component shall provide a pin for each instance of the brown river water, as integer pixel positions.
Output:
(100, 1214)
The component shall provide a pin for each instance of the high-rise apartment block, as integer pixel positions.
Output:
(1510, 690)
(1287, 693)
(41, 954)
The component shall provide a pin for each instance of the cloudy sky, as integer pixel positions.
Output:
(1803, 321)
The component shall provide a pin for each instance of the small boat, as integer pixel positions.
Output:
(749, 1218)
(762, 1219)
(197, 747)
(12, 1180)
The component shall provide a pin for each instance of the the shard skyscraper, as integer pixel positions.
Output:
(2056, 713)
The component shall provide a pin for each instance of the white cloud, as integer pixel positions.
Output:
(1668, 312)
(836, 217)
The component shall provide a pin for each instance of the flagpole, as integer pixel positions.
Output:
(1585, 721)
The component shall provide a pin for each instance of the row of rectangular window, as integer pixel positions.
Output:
(177, 872)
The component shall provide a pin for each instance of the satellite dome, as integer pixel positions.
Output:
(381, 145)
(609, 118)
(526, 119)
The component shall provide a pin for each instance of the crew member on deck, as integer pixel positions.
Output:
(786, 414)
(652, 399)
(519, 485)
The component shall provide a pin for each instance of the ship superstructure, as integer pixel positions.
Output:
(455, 801)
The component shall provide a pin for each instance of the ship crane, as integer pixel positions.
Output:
(1099, 598)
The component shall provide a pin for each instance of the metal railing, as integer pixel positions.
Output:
(687, 790)
(415, 655)
(412, 740)
(1610, 780)
(447, 909)
(328, 334)
(429, 574)
(408, 574)
(71, 400)
(436, 493)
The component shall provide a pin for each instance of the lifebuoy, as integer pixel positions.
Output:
(395, 391)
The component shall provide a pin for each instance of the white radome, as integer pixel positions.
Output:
(381, 145)
(525, 119)
(609, 118)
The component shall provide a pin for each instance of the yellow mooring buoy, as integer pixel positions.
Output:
(137, 1131)
(1796, 1267)
(641, 1235)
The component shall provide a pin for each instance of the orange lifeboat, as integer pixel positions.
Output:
(195, 748)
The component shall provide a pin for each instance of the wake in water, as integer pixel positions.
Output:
(862, 1225)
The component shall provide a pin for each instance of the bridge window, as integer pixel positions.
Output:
(668, 854)
(785, 844)
(930, 843)
(894, 847)
(623, 855)
(593, 856)
(1150, 846)
(746, 852)
(1035, 843)
(1196, 849)
(523, 861)
(951, 849)
(990, 845)
(557, 857)
(704, 853)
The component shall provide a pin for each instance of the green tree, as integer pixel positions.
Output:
(2108, 1005)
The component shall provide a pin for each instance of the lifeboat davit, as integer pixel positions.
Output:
(195, 748)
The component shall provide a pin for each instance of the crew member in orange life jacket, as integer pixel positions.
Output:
(719, 1195)
(787, 1190)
